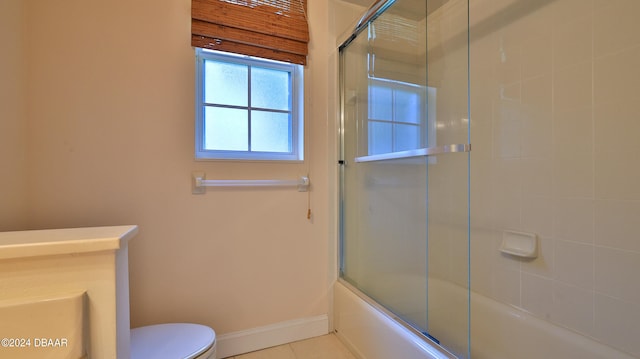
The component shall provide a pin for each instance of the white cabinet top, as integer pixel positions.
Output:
(47, 242)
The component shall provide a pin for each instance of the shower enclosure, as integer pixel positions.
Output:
(547, 91)
(405, 165)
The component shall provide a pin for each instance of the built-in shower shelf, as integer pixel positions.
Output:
(519, 244)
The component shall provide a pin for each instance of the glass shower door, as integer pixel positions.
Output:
(404, 173)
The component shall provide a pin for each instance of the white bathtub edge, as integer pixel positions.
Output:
(371, 334)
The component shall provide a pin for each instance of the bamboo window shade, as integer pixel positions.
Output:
(271, 29)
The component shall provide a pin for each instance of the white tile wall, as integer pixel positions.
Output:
(573, 263)
(537, 295)
(614, 275)
(558, 154)
(615, 225)
(573, 219)
(616, 323)
(572, 307)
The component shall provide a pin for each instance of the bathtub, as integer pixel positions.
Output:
(498, 331)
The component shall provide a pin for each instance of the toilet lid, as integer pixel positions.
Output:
(171, 341)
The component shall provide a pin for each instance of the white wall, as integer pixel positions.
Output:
(111, 113)
(13, 130)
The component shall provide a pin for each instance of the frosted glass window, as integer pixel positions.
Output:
(233, 76)
(270, 89)
(248, 108)
(226, 129)
(270, 131)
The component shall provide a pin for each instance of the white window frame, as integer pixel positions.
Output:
(297, 109)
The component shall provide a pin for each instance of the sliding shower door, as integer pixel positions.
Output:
(404, 165)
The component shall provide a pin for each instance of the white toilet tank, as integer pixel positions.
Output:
(173, 341)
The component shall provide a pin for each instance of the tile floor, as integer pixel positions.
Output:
(323, 347)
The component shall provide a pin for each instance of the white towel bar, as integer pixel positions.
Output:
(199, 183)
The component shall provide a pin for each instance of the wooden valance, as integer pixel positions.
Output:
(271, 29)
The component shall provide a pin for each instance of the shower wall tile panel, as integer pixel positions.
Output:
(554, 128)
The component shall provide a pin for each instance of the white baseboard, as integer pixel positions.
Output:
(246, 341)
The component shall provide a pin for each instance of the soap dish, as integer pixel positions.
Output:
(520, 244)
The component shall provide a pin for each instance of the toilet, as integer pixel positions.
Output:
(173, 341)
